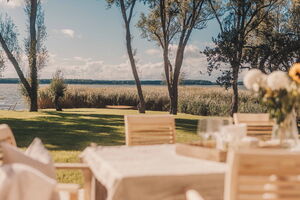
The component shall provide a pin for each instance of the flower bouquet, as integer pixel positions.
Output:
(280, 93)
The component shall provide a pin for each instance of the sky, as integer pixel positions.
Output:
(86, 40)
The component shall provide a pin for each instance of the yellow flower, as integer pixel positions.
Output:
(294, 72)
(269, 93)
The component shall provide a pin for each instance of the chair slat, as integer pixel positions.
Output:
(149, 129)
(263, 174)
(258, 124)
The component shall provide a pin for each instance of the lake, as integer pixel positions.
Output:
(11, 98)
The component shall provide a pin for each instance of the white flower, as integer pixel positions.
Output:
(278, 80)
(254, 79)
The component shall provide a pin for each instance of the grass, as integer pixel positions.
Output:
(204, 101)
(67, 133)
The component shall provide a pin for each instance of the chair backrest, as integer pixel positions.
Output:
(258, 124)
(263, 174)
(193, 195)
(149, 129)
(6, 135)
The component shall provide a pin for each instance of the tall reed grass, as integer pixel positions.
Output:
(205, 101)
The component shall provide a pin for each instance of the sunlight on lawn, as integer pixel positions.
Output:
(67, 133)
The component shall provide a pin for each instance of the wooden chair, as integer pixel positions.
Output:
(6, 135)
(193, 195)
(262, 175)
(258, 124)
(149, 129)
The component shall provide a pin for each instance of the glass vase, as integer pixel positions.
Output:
(287, 131)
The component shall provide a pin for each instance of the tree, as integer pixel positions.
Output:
(35, 50)
(127, 8)
(169, 21)
(58, 89)
(276, 42)
(240, 19)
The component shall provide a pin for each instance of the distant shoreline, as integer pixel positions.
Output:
(108, 82)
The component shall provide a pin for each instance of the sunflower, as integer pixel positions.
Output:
(294, 72)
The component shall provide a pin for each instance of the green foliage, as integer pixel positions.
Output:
(8, 31)
(57, 89)
(279, 103)
(192, 100)
(276, 42)
(238, 20)
(57, 86)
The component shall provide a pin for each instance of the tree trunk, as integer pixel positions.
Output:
(141, 106)
(174, 100)
(57, 104)
(178, 65)
(235, 96)
(33, 103)
(32, 58)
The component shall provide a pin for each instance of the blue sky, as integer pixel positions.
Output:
(86, 40)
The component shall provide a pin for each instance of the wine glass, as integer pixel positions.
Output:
(207, 128)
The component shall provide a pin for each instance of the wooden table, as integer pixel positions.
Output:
(153, 172)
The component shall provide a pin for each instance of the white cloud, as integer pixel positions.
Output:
(11, 3)
(68, 32)
(153, 52)
(78, 67)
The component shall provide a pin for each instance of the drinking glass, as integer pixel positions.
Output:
(207, 128)
(233, 134)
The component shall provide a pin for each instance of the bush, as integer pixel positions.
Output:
(57, 89)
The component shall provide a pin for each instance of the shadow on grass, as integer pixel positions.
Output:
(189, 125)
(69, 131)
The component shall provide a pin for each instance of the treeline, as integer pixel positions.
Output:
(108, 82)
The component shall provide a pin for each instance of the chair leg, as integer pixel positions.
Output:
(87, 174)
(73, 195)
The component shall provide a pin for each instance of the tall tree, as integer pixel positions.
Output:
(275, 45)
(35, 50)
(239, 20)
(127, 9)
(172, 21)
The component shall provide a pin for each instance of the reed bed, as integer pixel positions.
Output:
(206, 101)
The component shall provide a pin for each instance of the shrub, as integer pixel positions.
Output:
(57, 89)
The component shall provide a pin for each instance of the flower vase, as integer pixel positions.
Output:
(287, 131)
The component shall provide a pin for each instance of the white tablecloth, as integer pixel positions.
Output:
(153, 172)
(21, 182)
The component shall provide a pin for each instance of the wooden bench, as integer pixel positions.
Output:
(120, 107)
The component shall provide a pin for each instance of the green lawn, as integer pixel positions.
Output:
(67, 133)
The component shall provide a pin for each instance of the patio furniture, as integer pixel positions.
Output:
(151, 172)
(22, 182)
(262, 175)
(149, 129)
(258, 124)
(193, 195)
(6, 135)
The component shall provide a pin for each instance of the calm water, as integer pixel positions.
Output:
(10, 96)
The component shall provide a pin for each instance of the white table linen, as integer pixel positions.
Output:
(21, 182)
(153, 172)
